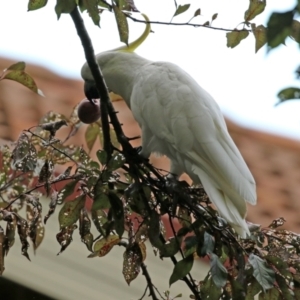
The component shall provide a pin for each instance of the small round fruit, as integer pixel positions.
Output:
(88, 112)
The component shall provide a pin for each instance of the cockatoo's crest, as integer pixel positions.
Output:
(135, 44)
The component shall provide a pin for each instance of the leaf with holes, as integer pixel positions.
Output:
(235, 37)
(133, 259)
(262, 272)
(122, 24)
(256, 7)
(70, 212)
(85, 229)
(116, 162)
(104, 245)
(181, 269)
(66, 191)
(64, 237)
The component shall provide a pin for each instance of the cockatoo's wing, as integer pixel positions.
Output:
(186, 124)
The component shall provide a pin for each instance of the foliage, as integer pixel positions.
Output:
(121, 199)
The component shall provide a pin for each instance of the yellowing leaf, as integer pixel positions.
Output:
(36, 4)
(23, 78)
(104, 245)
(122, 24)
(20, 66)
(91, 135)
(260, 34)
(256, 7)
(181, 9)
(70, 212)
(235, 37)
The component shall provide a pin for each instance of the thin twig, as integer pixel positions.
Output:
(185, 24)
(149, 282)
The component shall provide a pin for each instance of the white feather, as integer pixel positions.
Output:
(182, 121)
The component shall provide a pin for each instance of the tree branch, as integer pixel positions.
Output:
(185, 24)
(98, 77)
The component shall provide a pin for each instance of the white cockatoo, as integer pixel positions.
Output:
(181, 120)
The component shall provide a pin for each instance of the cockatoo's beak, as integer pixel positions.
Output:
(90, 90)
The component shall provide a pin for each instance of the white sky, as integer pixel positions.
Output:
(244, 84)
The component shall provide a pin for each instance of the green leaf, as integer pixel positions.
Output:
(218, 271)
(91, 135)
(101, 200)
(262, 272)
(214, 16)
(209, 290)
(295, 34)
(116, 162)
(122, 24)
(235, 37)
(64, 7)
(279, 27)
(253, 289)
(66, 191)
(260, 34)
(118, 212)
(22, 78)
(181, 9)
(70, 212)
(154, 230)
(288, 94)
(102, 156)
(256, 7)
(280, 265)
(19, 66)
(272, 294)
(284, 287)
(99, 218)
(197, 12)
(103, 4)
(92, 8)
(36, 4)
(170, 248)
(181, 269)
